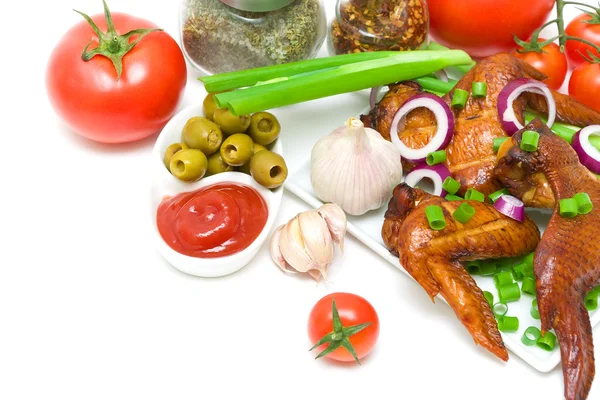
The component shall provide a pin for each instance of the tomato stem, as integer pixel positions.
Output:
(110, 44)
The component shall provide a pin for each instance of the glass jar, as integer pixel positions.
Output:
(376, 25)
(229, 35)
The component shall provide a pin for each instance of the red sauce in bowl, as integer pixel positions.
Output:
(214, 221)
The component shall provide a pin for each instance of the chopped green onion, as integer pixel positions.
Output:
(508, 324)
(479, 89)
(464, 213)
(563, 131)
(499, 141)
(568, 208)
(459, 98)
(531, 336)
(496, 195)
(517, 272)
(591, 300)
(451, 185)
(487, 269)
(473, 194)
(462, 69)
(530, 140)
(489, 297)
(534, 311)
(528, 260)
(473, 267)
(528, 271)
(435, 216)
(528, 286)
(584, 203)
(432, 84)
(451, 197)
(436, 157)
(547, 342)
(509, 292)
(503, 278)
(500, 309)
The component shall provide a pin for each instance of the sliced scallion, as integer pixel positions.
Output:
(436, 157)
(584, 203)
(534, 311)
(591, 300)
(435, 216)
(531, 336)
(530, 140)
(499, 142)
(509, 292)
(503, 278)
(451, 185)
(528, 286)
(517, 272)
(464, 213)
(568, 208)
(500, 309)
(473, 194)
(496, 195)
(547, 342)
(459, 98)
(473, 267)
(489, 297)
(528, 260)
(452, 197)
(479, 89)
(508, 324)
(487, 269)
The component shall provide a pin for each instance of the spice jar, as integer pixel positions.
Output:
(229, 35)
(376, 25)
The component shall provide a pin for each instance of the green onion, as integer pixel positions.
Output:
(487, 269)
(531, 336)
(473, 194)
(500, 309)
(496, 195)
(435, 216)
(508, 324)
(451, 197)
(530, 140)
(459, 98)
(450, 185)
(568, 208)
(462, 69)
(509, 292)
(473, 267)
(562, 130)
(528, 286)
(503, 278)
(499, 141)
(528, 260)
(436, 157)
(591, 300)
(534, 311)
(432, 84)
(547, 342)
(584, 203)
(479, 89)
(489, 297)
(464, 213)
(517, 272)
(528, 271)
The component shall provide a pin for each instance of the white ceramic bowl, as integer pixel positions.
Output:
(165, 185)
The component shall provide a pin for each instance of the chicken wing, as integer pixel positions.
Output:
(567, 260)
(433, 258)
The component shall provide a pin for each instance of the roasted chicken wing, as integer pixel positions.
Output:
(470, 155)
(567, 260)
(433, 258)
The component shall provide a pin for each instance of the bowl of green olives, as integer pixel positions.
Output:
(192, 152)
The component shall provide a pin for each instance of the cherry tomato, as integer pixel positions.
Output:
(551, 63)
(580, 27)
(485, 27)
(96, 103)
(584, 85)
(353, 310)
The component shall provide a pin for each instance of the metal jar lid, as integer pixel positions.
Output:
(257, 5)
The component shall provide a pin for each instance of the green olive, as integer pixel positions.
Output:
(264, 128)
(209, 106)
(189, 165)
(237, 149)
(171, 150)
(216, 165)
(268, 169)
(229, 123)
(246, 167)
(202, 134)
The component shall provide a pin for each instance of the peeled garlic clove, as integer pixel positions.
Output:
(291, 244)
(317, 239)
(276, 252)
(335, 218)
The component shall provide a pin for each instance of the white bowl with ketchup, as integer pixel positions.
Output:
(214, 226)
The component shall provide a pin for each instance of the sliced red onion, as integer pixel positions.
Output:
(509, 94)
(511, 207)
(588, 154)
(436, 173)
(374, 96)
(443, 134)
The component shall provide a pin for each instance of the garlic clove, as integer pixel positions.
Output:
(276, 252)
(317, 239)
(335, 218)
(292, 247)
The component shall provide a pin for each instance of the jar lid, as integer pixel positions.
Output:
(257, 5)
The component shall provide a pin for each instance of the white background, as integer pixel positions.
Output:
(89, 310)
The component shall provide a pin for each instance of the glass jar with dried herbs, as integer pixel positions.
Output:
(376, 25)
(229, 35)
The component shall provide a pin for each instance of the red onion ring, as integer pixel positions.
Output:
(509, 94)
(511, 207)
(436, 173)
(443, 134)
(588, 154)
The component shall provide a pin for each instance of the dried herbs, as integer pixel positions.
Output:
(374, 25)
(219, 38)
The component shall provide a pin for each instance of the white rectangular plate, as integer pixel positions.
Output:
(367, 229)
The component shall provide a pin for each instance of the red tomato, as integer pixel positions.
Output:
(353, 310)
(578, 27)
(551, 63)
(485, 27)
(90, 99)
(584, 85)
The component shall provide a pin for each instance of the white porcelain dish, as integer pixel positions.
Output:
(165, 185)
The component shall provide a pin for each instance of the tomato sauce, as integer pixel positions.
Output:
(214, 221)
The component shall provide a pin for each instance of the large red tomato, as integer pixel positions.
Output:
(584, 85)
(585, 27)
(551, 62)
(98, 104)
(485, 27)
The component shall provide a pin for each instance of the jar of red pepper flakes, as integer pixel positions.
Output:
(376, 25)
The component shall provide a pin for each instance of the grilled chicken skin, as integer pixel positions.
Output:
(567, 260)
(433, 258)
(470, 155)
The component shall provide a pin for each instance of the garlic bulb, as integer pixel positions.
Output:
(305, 243)
(355, 168)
